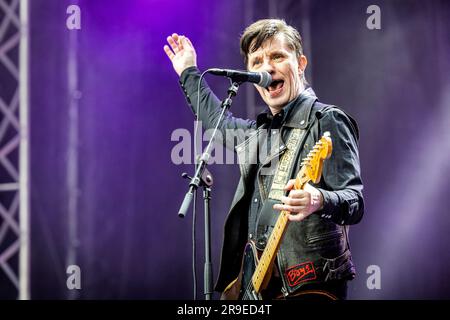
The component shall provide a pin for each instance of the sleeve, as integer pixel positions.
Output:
(343, 200)
(210, 108)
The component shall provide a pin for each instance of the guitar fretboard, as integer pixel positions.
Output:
(269, 254)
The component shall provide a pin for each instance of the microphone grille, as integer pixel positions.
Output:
(266, 79)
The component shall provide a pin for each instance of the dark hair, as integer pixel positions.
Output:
(258, 32)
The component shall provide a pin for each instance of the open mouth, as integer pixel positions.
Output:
(275, 88)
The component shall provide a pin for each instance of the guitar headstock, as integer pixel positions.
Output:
(313, 163)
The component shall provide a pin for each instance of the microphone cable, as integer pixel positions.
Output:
(194, 218)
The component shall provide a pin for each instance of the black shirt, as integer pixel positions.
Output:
(273, 123)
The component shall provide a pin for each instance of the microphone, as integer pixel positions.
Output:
(262, 79)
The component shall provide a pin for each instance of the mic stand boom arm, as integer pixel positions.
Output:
(196, 179)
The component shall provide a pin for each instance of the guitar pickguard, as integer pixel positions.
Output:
(249, 262)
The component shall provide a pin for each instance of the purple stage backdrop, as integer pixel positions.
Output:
(130, 242)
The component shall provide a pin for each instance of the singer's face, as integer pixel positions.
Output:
(275, 57)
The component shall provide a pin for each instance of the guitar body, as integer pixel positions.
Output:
(242, 288)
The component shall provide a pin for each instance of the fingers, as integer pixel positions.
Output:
(180, 42)
(297, 217)
(290, 208)
(173, 41)
(298, 194)
(169, 52)
(296, 199)
(293, 201)
(177, 44)
(186, 40)
(289, 185)
(297, 203)
(175, 36)
(297, 213)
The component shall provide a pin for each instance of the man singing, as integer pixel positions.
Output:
(313, 260)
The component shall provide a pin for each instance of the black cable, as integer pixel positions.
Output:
(194, 267)
(194, 273)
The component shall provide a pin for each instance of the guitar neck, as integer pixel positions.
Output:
(270, 252)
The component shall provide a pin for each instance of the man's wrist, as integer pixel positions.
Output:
(186, 70)
(316, 199)
(321, 199)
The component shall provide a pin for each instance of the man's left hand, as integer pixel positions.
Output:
(300, 203)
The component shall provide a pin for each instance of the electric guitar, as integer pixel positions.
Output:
(256, 271)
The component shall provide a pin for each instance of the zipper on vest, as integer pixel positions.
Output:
(325, 236)
(283, 287)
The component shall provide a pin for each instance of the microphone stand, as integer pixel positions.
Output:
(203, 178)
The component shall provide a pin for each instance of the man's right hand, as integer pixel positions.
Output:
(181, 52)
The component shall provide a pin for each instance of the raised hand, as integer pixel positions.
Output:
(181, 52)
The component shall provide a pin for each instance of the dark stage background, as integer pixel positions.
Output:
(131, 244)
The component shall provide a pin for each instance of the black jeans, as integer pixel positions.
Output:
(330, 290)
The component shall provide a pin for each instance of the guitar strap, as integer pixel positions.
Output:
(286, 164)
